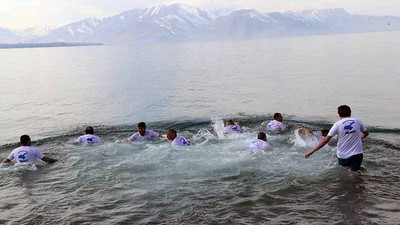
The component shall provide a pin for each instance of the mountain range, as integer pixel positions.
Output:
(180, 22)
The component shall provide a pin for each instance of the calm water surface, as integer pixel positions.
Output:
(52, 93)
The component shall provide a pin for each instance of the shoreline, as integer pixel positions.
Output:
(46, 45)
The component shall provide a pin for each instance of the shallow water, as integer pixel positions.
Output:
(215, 181)
(51, 94)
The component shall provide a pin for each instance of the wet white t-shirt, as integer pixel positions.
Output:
(318, 136)
(259, 144)
(147, 136)
(180, 141)
(88, 139)
(349, 137)
(25, 154)
(232, 129)
(275, 125)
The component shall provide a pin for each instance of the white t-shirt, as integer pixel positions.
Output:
(232, 129)
(275, 125)
(180, 141)
(147, 136)
(259, 144)
(349, 137)
(318, 136)
(88, 139)
(25, 154)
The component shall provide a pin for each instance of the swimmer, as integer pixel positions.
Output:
(350, 131)
(276, 125)
(232, 127)
(143, 134)
(88, 138)
(26, 153)
(261, 143)
(177, 140)
(318, 135)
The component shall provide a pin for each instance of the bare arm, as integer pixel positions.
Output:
(265, 148)
(364, 134)
(319, 145)
(6, 160)
(49, 160)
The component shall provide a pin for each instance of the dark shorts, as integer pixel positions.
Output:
(354, 162)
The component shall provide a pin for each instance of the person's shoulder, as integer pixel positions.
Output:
(16, 149)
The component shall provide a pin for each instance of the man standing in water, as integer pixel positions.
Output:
(88, 139)
(26, 153)
(177, 140)
(143, 134)
(350, 131)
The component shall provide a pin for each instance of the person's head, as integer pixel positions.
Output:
(278, 116)
(171, 134)
(25, 140)
(344, 111)
(324, 132)
(262, 136)
(141, 128)
(89, 130)
(230, 122)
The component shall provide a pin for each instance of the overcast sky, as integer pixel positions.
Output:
(19, 14)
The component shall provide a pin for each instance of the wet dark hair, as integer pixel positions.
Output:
(344, 111)
(25, 139)
(89, 130)
(261, 136)
(172, 131)
(141, 124)
(277, 115)
(324, 132)
(230, 122)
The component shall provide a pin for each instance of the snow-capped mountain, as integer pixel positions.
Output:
(39, 31)
(180, 22)
(8, 36)
(173, 22)
(81, 31)
(247, 23)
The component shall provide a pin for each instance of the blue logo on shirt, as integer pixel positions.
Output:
(89, 140)
(184, 141)
(23, 155)
(235, 128)
(349, 127)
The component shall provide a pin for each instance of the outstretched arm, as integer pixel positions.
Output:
(6, 160)
(49, 160)
(319, 145)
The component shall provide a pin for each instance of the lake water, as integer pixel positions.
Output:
(53, 93)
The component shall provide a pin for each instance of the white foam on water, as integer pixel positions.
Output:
(218, 125)
(303, 140)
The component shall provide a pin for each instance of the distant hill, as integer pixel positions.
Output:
(44, 45)
(180, 22)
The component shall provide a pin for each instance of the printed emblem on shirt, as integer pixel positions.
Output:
(348, 126)
(22, 156)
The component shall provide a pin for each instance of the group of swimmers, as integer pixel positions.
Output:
(349, 131)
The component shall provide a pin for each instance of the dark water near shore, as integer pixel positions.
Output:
(52, 94)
